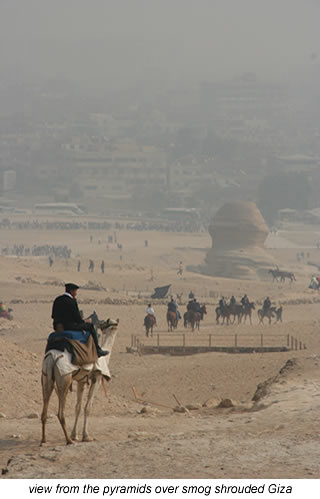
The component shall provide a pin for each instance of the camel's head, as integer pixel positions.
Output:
(109, 324)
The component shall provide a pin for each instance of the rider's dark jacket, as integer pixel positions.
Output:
(65, 311)
(172, 306)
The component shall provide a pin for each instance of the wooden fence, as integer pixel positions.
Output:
(186, 343)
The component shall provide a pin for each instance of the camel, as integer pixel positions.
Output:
(91, 374)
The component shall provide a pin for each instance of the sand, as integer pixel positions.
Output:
(274, 437)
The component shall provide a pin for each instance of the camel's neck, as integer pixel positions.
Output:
(108, 339)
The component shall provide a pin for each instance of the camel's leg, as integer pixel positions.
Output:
(95, 382)
(63, 386)
(47, 387)
(80, 390)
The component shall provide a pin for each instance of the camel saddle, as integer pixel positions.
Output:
(79, 344)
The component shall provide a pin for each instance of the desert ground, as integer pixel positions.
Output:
(271, 427)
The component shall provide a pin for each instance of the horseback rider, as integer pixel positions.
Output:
(173, 307)
(195, 305)
(150, 311)
(66, 316)
(191, 295)
(266, 305)
(245, 300)
(222, 303)
(233, 301)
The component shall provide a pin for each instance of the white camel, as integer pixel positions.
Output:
(59, 372)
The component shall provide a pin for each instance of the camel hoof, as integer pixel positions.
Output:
(88, 439)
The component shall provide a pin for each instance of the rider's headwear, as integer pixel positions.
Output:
(70, 286)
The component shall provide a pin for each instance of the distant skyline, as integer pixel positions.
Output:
(112, 43)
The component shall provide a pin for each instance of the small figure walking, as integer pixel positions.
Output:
(91, 266)
(79, 265)
(102, 267)
(180, 269)
(50, 261)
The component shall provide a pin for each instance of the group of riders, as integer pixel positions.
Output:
(244, 307)
(193, 307)
(244, 302)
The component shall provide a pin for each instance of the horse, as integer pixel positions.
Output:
(237, 311)
(149, 322)
(203, 311)
(94, 318)
(283, 275)
(193, 318)
(287, 275)
(269, 313)
(172, 320)
(275, 274)
(91, 374)
(247, 311)
(224, 313)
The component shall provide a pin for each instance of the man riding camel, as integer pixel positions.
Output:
(66, 316)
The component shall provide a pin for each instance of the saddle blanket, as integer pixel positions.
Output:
(63, 361)
(71, 335)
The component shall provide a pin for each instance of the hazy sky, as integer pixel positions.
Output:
(101, 42)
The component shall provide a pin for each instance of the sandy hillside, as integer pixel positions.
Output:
(276, 436)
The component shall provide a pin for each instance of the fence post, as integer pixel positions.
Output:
(210, 340)
(235, 340)
(300, 345)
(184, 340)
(261, 340)
(296, 344)
(158, 341)
(288, 340)
(291, 342)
